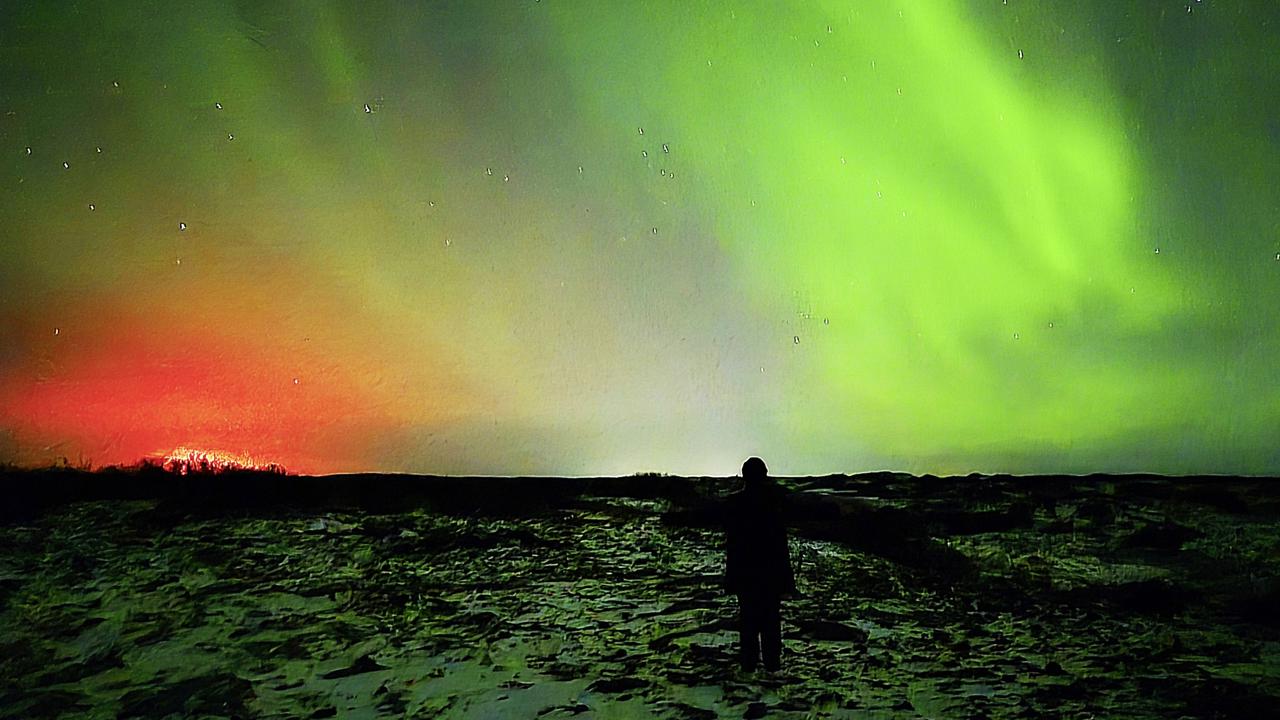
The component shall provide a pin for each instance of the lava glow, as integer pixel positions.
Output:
(184, 461)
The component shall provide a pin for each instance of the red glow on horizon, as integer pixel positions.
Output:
(222, 368)
(130, 388)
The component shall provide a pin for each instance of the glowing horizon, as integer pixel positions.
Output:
(566, 238)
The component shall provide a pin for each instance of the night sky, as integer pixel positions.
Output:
(600, 237)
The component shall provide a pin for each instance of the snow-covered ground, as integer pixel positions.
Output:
(916, 599)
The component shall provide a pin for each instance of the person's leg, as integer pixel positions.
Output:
(748, 631)
(770, 624)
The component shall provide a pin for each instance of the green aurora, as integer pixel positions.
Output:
(598, 238)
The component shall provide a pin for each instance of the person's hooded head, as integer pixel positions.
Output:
(754, 473)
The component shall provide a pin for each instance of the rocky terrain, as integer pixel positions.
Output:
(386, 596)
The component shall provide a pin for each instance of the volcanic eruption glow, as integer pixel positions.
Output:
(185, 460)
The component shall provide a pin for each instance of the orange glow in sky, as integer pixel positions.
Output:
(235, 383)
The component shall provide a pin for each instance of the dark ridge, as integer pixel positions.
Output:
(1004, 501)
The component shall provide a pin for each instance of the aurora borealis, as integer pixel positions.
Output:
(600, 238)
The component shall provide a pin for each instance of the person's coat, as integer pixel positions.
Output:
(757, 561)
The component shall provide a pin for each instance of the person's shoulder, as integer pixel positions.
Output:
(740, 500)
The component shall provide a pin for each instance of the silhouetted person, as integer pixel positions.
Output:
(758, 565)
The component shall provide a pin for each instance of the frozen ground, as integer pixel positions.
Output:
(1048, 597)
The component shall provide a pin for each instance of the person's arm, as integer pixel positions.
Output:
(788, 575)
(732, 547)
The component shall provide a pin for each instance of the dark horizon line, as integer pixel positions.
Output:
(865, 473)
(127, 469)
